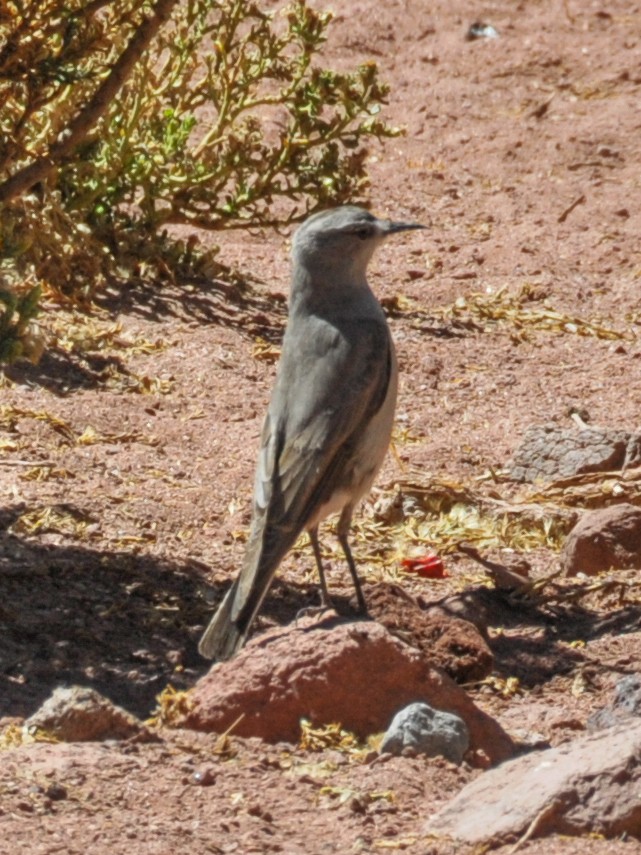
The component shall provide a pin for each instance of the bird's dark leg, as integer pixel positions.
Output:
(326, 601)
(342, 530)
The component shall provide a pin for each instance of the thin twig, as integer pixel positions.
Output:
(504, 578)
(519, 587)
(534, 826)
(578, 201)
(26, 463)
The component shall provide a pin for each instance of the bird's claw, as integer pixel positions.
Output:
(313, 611)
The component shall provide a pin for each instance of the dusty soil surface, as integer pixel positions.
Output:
(126, 460)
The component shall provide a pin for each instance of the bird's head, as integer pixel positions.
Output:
(342, 239)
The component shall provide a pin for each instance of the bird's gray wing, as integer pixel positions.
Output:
(325, 395)
(310, 466)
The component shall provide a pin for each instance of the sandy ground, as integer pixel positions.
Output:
(127, 464)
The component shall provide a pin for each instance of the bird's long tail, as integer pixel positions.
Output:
(222, 638)
(230, 626)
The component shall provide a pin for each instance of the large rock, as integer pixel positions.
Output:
(352, 672)
(590, 785)
(549, 452)
(603, 539)
(80, 714)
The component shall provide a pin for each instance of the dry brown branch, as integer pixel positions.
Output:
(503, 578)
(78, 128)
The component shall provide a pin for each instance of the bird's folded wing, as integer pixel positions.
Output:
(302, 458)
(318, 412)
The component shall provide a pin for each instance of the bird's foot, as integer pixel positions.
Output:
(314, 611)
(358, 604)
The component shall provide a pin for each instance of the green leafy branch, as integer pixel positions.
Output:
(120, 119)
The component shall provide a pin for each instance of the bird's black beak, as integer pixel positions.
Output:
(390, 228)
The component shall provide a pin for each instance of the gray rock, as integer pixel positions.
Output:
(427, 731)
(627, 694)
(604, 539)
(80, 714)
(633, 452)
(549, 452)
(590, 785)
(625, 703)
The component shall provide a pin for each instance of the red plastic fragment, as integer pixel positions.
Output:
(426, 566)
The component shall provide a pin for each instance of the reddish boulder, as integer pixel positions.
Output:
(331, 670)
(588, 786)
(603, 539)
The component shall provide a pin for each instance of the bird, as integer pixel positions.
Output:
(329, 420)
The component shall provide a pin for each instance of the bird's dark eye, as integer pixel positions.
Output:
(363, 233)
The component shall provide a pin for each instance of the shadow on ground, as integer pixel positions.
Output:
(124, 624)
(535, 643)
(62, 373)
(246, 308)
(243, 308)
(128, 624)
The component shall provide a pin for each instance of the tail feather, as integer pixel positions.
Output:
(229, 627)
(222, 638)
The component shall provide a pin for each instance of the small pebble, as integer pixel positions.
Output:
(203, 777)
(56, 792)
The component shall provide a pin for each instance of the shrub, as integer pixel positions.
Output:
(121, 120)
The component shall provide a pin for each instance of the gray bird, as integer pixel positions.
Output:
(329, 421)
